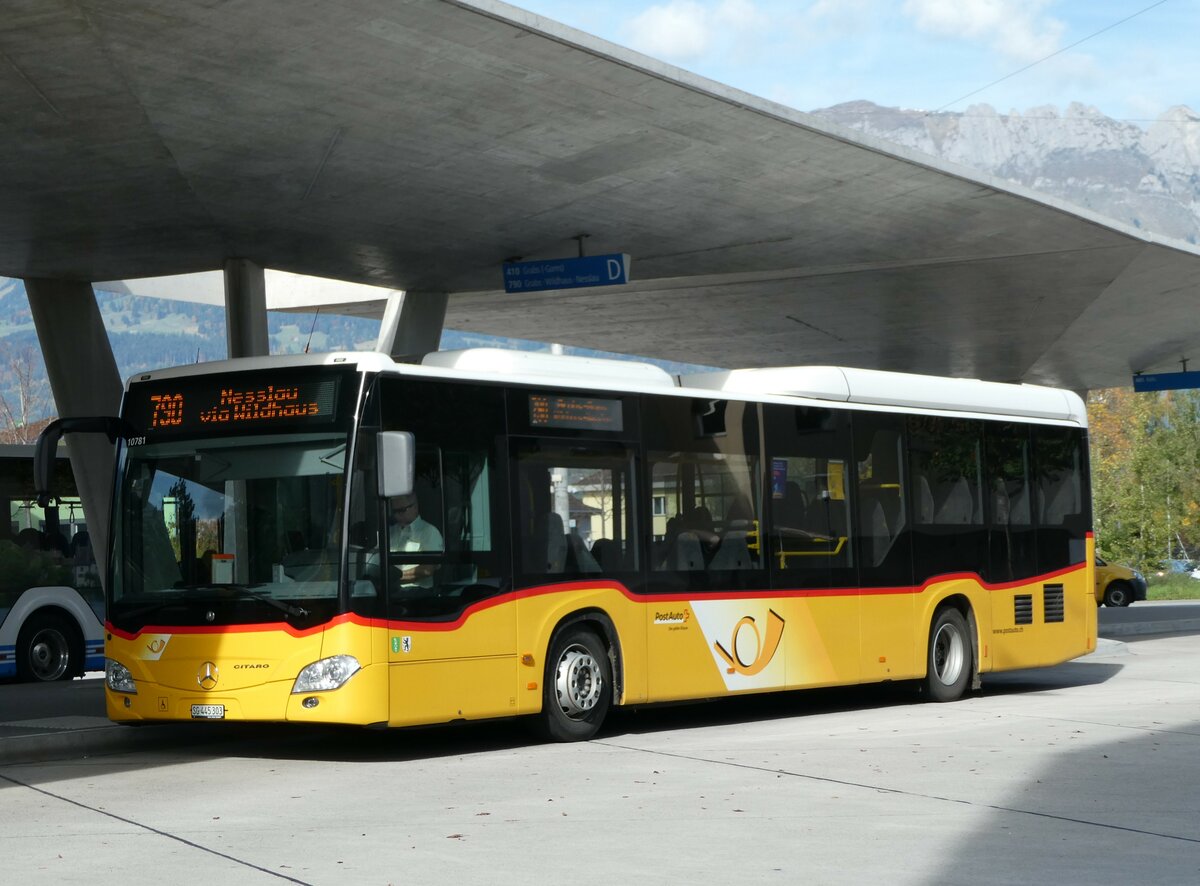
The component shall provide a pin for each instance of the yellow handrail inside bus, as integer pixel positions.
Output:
(832, 552)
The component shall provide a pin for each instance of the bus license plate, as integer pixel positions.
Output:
(208, 712)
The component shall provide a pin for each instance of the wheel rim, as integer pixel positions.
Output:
(1116, 597)
(578, 682)
(49, 654)
(948, 654)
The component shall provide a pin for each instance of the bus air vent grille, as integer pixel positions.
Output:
(1023, 609)
(1052, 601)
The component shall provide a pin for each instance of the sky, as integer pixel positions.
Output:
(921, 54)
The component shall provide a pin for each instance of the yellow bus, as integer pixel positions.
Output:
(344, 539)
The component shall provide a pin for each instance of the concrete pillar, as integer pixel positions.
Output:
(412, 325)
(85, 382)
(245, 309)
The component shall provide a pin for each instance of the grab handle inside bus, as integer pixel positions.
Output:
(47, 446)
(396, 454)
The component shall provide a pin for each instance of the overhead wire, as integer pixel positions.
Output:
(1048, 57)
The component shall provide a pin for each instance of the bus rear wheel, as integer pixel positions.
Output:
(949, 666)
(46, 649)
(577, 689)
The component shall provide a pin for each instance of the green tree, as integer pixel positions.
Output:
(1145, 454)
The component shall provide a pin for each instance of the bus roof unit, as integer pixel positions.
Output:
(878, 388)
(541, 367)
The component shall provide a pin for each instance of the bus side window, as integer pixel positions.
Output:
(880, 486)
(810, 539)
(575, 516)
(706, 493)
(1063, 506)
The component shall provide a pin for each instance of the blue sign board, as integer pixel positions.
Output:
(1166, 381)
(566, 273)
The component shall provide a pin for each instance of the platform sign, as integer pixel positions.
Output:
(566, 273)
(1165, 381)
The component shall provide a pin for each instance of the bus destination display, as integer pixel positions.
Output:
(221, 405)
(574, 413)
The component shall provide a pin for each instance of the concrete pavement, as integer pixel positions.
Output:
(40, 722)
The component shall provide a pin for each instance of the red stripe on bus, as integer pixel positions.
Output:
(603, 585)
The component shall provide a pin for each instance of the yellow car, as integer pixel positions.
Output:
(1118, 585)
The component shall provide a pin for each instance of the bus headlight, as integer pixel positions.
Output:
(117, 677)
(326, 674)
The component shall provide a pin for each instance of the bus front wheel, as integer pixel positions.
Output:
(46, 649)
(949, 664)
(577, 689)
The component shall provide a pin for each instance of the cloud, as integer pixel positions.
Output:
(1017, 28)
(678, 30)
(684, 30)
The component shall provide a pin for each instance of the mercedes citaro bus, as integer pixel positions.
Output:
(593, 533)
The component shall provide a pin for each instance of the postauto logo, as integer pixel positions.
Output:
(749, 653)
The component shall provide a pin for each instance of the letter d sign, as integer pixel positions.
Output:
(616, 268)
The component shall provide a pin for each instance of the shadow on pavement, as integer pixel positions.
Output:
(155, 745)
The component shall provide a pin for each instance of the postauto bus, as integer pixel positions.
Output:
(592, 533)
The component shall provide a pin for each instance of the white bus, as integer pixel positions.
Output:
(51, 603)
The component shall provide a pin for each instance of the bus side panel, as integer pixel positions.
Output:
(685, 639)
(1044, 622)
(453, 671)
(704, 648)
(540, 613)
(888, 623)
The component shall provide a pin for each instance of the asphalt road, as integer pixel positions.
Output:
(1084, 773)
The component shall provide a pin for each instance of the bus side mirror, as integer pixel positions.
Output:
(46, 447)
(395, 456)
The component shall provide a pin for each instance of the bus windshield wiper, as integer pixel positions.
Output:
(243, 591)
(149, 608)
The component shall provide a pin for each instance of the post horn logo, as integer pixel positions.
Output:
(764, 648)
(208, 675)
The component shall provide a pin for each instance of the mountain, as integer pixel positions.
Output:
(1146, 178)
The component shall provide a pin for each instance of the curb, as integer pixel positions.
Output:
(1141, 629)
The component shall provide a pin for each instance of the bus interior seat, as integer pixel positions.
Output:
(579, 558)
(1018, 507)
(699, 522)
(1001, 505)
(1059, 502)
(956, 507)
(607, 553)
(734, 552)
(81, 545)
(30, 539)
(547, 549)
(687, 555)
(924, 502)
(878, 537)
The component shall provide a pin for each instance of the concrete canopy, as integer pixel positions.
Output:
(416, 144)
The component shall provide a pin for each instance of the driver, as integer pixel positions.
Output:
(409, 532)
